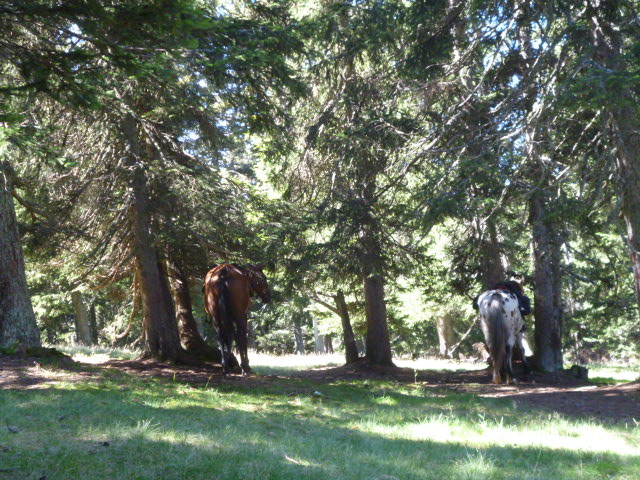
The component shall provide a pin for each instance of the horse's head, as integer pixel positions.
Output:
(258, 282)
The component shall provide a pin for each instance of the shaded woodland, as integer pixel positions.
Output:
(385, 160)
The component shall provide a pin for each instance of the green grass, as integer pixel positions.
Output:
(613, 374)
(118, 426)
(95, 354)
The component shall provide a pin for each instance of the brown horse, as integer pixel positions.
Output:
(227, 297)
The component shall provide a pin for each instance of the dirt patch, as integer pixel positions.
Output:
(554, 392)
(28, 372)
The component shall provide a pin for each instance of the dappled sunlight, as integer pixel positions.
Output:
(96, 354)
(439, 364)
(92, 359)
(155, 426)
(264, 363)
(475, 465)
(483, 432)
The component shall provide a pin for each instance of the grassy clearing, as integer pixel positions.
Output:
(85, 354)
(281, 365)
(119, 426)
(613, 374)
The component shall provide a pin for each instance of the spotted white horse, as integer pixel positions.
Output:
(503, 327)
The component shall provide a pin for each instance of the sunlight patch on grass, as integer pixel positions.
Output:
(115, 425)
(273, 364)
(266, 364)
(96, 355)
(489, 431)
(475, 465)
(438, 364)
(613, 374)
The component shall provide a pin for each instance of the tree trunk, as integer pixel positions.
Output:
(378, 350)
(190, 337)
(93, 323)
(17, 320)
(625, 125)
(446, 334)
(318, 338)
(350, 347)
(548, 299)
(328, 343)
(83, 329)
(547, 305)
(299, 338)
(378, 344)
(160, 326)
(492, 270)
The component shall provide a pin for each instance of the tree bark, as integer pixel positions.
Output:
(548, 299)
(378, 343)
(298, 337)
(378, 349)
(446, 335)
(349, 339)
(547, 304)
(319, 343)
(625, 124)
(328, 343)
(93, 323)
(83, 329)
(160, 326)
(17, 320)
(190, 337)
(492, 270)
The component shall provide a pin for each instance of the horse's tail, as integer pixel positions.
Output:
(225, 311)
(497, 337)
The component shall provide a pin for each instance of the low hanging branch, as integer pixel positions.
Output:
(464, 337)
(133, 312)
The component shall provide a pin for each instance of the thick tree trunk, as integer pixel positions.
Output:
(548, 297)
(17, 320)
(160, 326)
(547, 305)
(378, 349)
(625, 125)
(378, 343)
(492, 270)
(190, 337)
(349, 339)
(83, 329)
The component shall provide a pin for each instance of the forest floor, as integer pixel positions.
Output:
(558, 392)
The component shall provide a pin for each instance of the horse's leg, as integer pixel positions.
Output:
(497, 367)
(509, 365)
(497, 378)
(241, 342)
(525, 365)
(225, 349)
